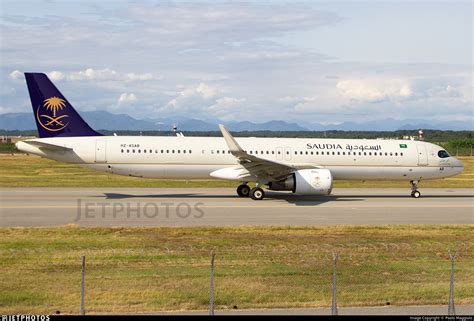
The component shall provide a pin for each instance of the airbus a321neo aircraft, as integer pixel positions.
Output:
(304, 166)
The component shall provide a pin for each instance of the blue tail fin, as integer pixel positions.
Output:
(54, 115)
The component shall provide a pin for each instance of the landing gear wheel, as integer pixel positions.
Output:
(243, 190)
(257, 193)
(415, 194)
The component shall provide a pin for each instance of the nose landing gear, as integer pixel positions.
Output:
(414, 192)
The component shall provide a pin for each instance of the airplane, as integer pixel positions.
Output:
(304, 166)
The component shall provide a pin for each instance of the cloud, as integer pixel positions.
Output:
(107, 74)
(200, 59)
(4, 110)
(191, 98)
(132, 76)
(225, 104)
(56, 75)
(374, 89)
(229, 21)
(126, 98)
(94, 74)
(205, 91)
(16, 75)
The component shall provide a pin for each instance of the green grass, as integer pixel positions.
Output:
(21, 170)
(152, 269)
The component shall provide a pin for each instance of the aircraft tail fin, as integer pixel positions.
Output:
(54, 115)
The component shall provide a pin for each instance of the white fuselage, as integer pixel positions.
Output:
(197, 157)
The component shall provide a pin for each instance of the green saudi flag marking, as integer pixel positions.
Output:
(403, 145)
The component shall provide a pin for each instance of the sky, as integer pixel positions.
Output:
(309, 61)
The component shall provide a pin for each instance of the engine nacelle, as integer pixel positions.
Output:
(306, 182)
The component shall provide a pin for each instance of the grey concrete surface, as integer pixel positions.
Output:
(221, 207)
(383, 310)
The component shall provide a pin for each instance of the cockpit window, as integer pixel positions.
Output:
(443, 154)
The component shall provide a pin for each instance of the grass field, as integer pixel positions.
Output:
(151, 269)
(21, 170)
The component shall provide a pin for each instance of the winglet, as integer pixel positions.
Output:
(234, 147)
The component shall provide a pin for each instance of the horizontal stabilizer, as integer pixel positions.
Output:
(46, 145)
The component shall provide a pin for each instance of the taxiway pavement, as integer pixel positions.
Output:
(221, 207)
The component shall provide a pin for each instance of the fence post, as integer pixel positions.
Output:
(451, 309)
(334, 304)
(211, 285)
(83, 311)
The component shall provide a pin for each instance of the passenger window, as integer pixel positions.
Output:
(360, 153)
(343, 153)
(401, 154)
(333, 153)
(122, 150)
(339, 153)
(133, 151)
(144, 150)
(296, 153)
(396, 154)
(391, 154)
(385, 153)
(179, 151)
(167, 151)
(217, 151)
(311, 152)
(190, 151)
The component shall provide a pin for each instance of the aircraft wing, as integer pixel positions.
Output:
(263, 169)
(46, 145)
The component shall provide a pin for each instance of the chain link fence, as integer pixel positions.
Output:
(242, 280)
(153, 272)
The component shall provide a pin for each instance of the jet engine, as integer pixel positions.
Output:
(306, 182)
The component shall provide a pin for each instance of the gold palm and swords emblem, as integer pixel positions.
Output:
(54, 122)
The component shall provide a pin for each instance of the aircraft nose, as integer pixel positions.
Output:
(459, 165)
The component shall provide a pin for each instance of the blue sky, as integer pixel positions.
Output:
(314, 61)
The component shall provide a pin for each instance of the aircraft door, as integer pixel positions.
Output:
(100, 151)
(279, 153)
(422, 155)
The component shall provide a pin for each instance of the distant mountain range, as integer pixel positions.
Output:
(108, 121)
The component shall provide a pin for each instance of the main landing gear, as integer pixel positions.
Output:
(255, 193)
(243, 190)
(414, 192)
